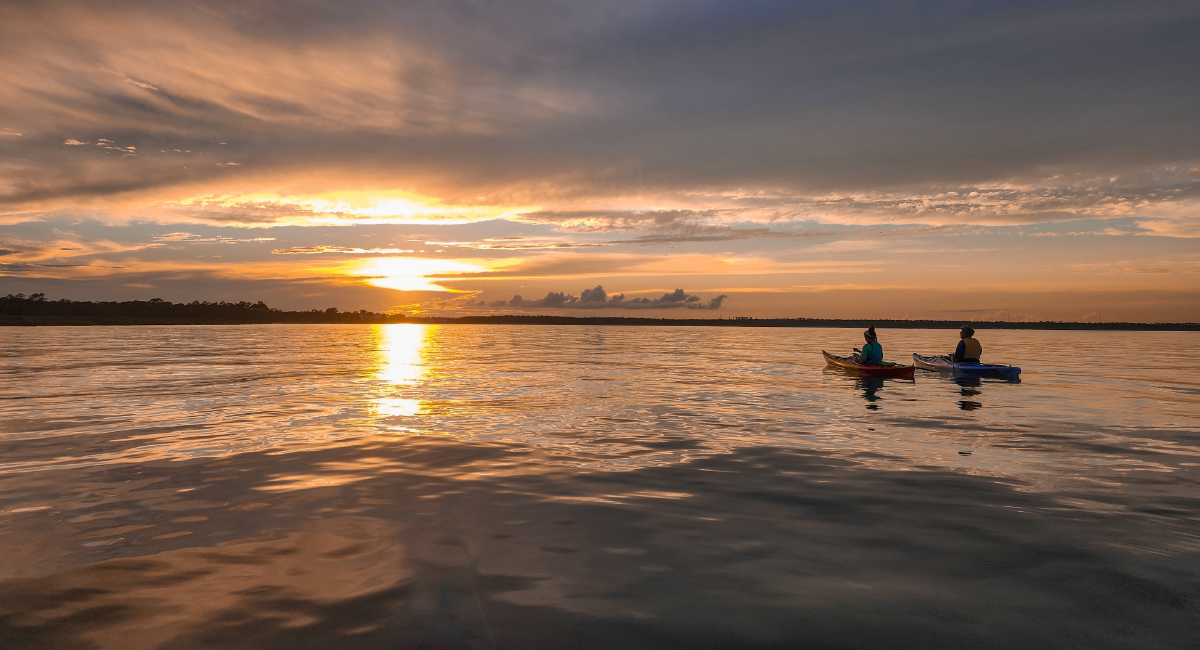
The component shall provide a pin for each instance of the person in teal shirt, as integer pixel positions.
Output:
(872, 352)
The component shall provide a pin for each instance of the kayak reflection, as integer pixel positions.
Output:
(968, 388)
(870, 388)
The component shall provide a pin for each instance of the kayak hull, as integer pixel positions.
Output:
(983, 370)
(885, 371)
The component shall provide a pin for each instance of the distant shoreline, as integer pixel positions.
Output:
(36, 311)
(616, 321)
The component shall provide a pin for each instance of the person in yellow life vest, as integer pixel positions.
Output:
(969, 350)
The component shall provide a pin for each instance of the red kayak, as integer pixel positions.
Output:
(887, 369)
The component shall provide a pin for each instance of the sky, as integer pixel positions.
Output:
(1018, 160)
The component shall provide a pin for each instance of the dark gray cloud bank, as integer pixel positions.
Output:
(550, 102)
(597, 298)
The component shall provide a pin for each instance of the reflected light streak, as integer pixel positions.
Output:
(401, 364)
(400, 348)
(392, 407)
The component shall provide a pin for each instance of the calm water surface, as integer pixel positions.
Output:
(408, 486)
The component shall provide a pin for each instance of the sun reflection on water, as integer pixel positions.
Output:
(400, 348)
(401, 365)
(390, 407)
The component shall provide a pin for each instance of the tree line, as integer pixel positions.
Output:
(35, 309)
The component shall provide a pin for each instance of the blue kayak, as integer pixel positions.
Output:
(966, 369)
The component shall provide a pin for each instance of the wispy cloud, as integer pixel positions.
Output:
(134, 82)
(55, 250)
(516, 244)
(1140, 267)
(194, 238)
(318, 250)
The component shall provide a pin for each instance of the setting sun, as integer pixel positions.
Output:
(410, 273)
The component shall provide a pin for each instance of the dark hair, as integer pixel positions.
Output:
(870, 333)
(966, 329)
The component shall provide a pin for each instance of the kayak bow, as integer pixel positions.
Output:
(968, 369)
(887, 370)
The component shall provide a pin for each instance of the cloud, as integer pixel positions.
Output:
(658, 226)
(53, 251)
(140, 84)
(1179, 218)
(345, 209)
(1172, 192)
(9, 269)
(194, 238)
(516, 244)
(597, 298)
(867, 111)
(1161, 266)
(559, 265)
(317, 250)
(110, 146)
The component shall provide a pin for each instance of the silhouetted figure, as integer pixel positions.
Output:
(968, 350)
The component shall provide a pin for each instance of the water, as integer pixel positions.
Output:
(408, 486)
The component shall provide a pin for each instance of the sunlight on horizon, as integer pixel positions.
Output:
(410, 273)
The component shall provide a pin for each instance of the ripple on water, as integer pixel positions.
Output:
(495, 486)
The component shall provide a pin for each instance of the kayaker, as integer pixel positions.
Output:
(969, 350)
(872, 352)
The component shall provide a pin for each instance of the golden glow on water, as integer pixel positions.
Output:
(588, 393)
(397, 406)
(400, 347)
(360, 486)
(401, 364)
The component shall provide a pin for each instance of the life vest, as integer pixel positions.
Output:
(972, 349)
(872, 353)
